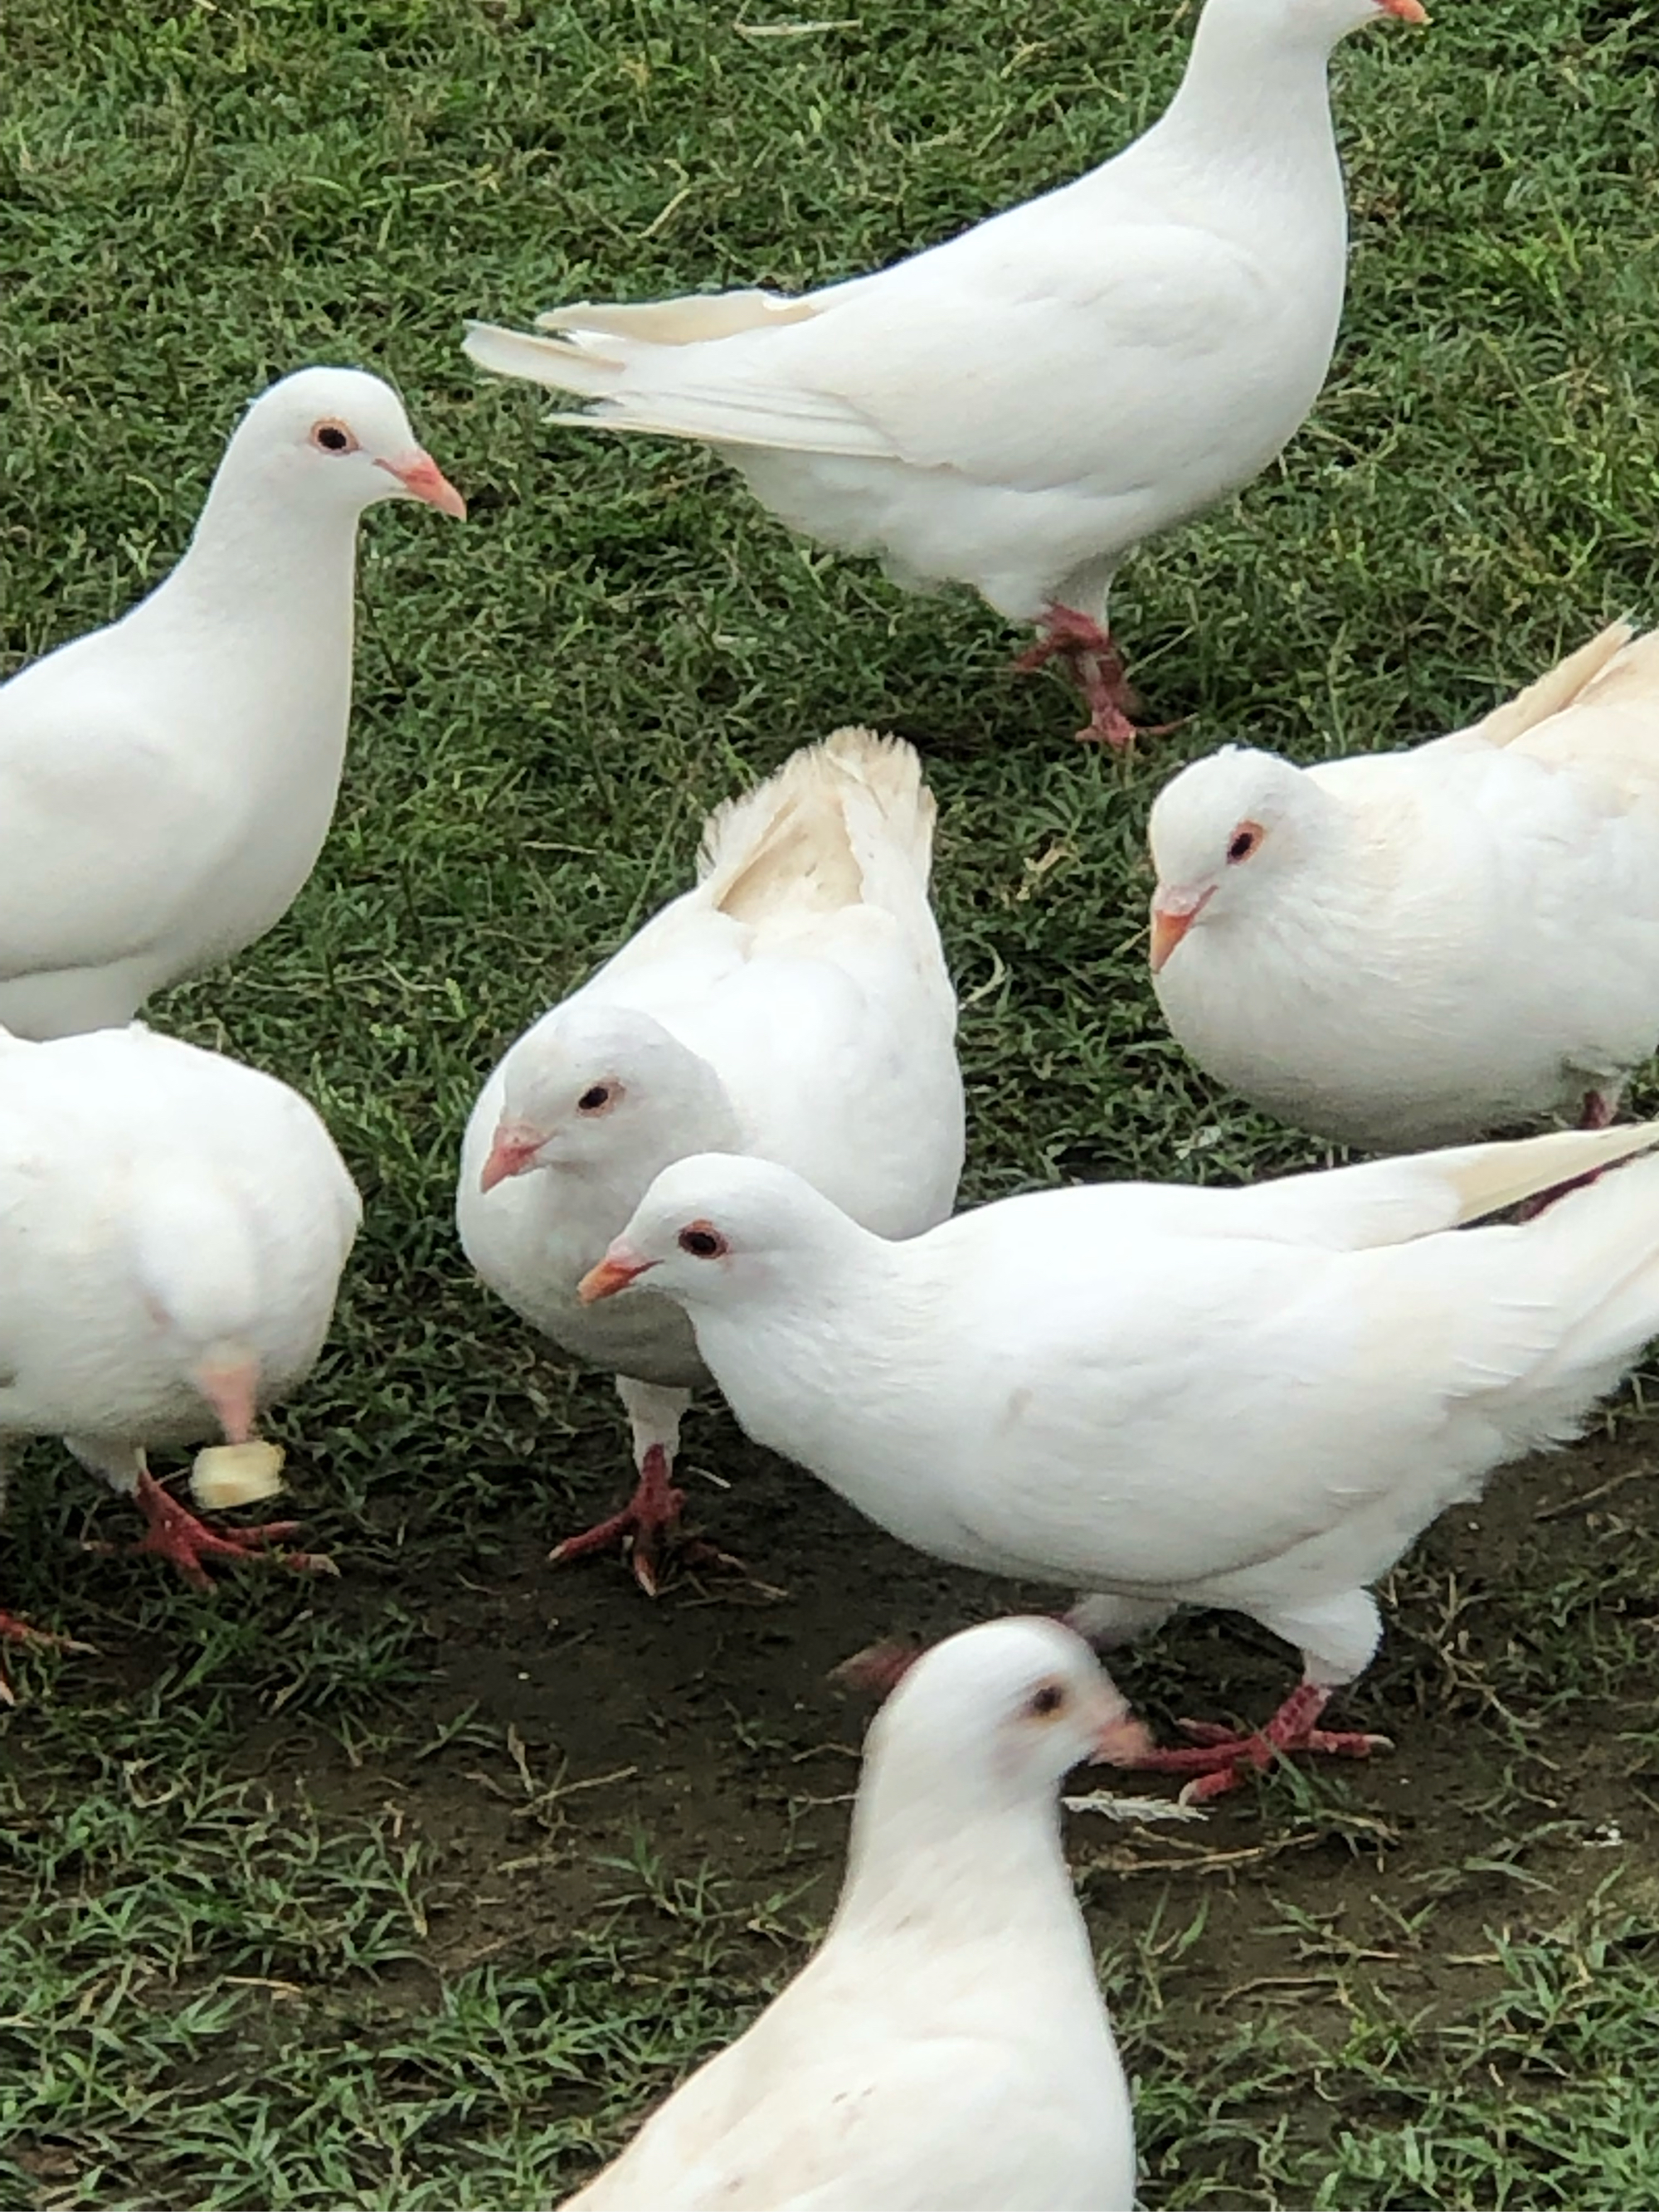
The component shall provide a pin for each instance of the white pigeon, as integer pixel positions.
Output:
(1414, 948)
(172, 1228)
(1016, 409)
(166, 784)
(947, 2050)
(795, 1005)
(1167, 1395)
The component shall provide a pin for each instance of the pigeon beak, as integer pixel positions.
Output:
(1174, 914)
(1120, 1739)
(228, 1376)
(422, 478)
(618, 1268)
(1406, 11)
(512, 1152)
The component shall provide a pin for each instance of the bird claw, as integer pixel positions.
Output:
(1208, 1731)
(175, 1533)
(1218, 1759)
(648, 1522)
(1098, 669)
(646, 1532)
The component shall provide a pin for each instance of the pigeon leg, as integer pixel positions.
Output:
(1219, 1760)
(1097, 667)
(175, 1533)
(648, 1526)
(649, 1521)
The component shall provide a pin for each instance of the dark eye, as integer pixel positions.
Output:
(1047, 1700)
(333, 438)
(702, 1242)
(1245, 839)
(591, 1100)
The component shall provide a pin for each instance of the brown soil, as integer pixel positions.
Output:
(708, 1722)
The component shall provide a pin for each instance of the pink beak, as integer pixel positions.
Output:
(1124, 1742)
(1407, 11)
(512, 1152)
(618, 1268)
(422, 478)
(228, 1378)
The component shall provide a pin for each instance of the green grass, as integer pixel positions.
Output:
(314, 1896)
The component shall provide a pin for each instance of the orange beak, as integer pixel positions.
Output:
(228, 1378)
(1173, 915)
(513, 1151)
(1407, 11)
(618, 1268)
(422, 478)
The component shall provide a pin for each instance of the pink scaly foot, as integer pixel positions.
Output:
(648, 1527)
(175, 1533)
(1097, 667)
(1218, 1759)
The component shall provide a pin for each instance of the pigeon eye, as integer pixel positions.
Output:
(703, 1243)
(594, 1100)
(1044, 1703)
(332, 438)
(1245, 839)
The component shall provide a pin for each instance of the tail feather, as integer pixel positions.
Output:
(846, 822)
(1598, 1249)
(1562, 686)
(1606, 724)
(636, 382)
(554, 361)
(692, 320)
(1632, 673)
(1486, 1178)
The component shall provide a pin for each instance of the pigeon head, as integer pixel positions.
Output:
(598, 1087)
(1223, 834)
(718, 1228)
(1320, 23)
(339, 439)
(1011, 1707)
(196, 1266)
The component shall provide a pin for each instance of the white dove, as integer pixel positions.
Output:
(172, 1228)
(166, 784)
(947, 2050)
(1164, 1395)
(794, 1005)
(1410, 948)
(1016, 409)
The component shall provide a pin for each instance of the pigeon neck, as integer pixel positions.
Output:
(254, 551)
(1249, 105)
(930, 1858)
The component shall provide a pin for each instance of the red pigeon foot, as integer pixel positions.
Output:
(646, 1529)
(1220, 1758)
(1097, 667)
(175, 1533)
